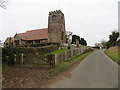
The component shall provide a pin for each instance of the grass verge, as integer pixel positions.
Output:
(65, 65)
(113, 55)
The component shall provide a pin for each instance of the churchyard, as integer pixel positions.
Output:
(27, 69)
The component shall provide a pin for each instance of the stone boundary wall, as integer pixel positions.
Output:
(27, 55)
(36, 59)
(69, 54)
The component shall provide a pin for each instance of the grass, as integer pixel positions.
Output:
(65, 65)
(113, 55)
(59, 51)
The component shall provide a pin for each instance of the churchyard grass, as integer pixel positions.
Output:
(59, 51)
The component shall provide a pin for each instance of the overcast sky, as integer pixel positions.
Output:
(92, 20)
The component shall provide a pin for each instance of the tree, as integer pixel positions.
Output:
(112, 39)
(75, 39)
(68, 36)
(83, 42)
(3, 4)
(108, 44)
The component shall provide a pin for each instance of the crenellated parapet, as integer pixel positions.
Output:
(55, 12)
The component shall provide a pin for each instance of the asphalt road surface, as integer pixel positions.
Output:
(97, 70)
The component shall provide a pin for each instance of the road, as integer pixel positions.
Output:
(97, 70)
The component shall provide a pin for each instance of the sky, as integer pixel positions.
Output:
(92, 20)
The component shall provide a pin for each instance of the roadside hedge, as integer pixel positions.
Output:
(42, 44)
(16, 50)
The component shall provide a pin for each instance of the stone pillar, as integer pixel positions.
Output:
(34, 42)
(22, 62)
(77, 42)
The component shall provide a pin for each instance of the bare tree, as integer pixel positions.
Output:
(69, 34)
(3, 4)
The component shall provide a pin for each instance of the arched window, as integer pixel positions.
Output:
(53, 17)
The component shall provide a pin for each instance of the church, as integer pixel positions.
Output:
(55, 33)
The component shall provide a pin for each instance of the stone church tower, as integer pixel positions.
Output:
(56, 27)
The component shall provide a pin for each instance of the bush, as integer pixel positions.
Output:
(42, 44)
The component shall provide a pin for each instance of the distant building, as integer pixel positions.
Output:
(55, 33)
(9, 41)
(1, 45)
(118, 41)
(99, 45)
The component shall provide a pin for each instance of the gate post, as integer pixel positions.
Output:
(22, 59)
(51, 59)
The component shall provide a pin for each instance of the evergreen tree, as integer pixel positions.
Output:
(75, 38)
(83, 42)
(112, 39)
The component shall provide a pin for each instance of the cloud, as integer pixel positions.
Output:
(91, 19)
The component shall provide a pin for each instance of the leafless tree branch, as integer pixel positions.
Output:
(3, 4)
